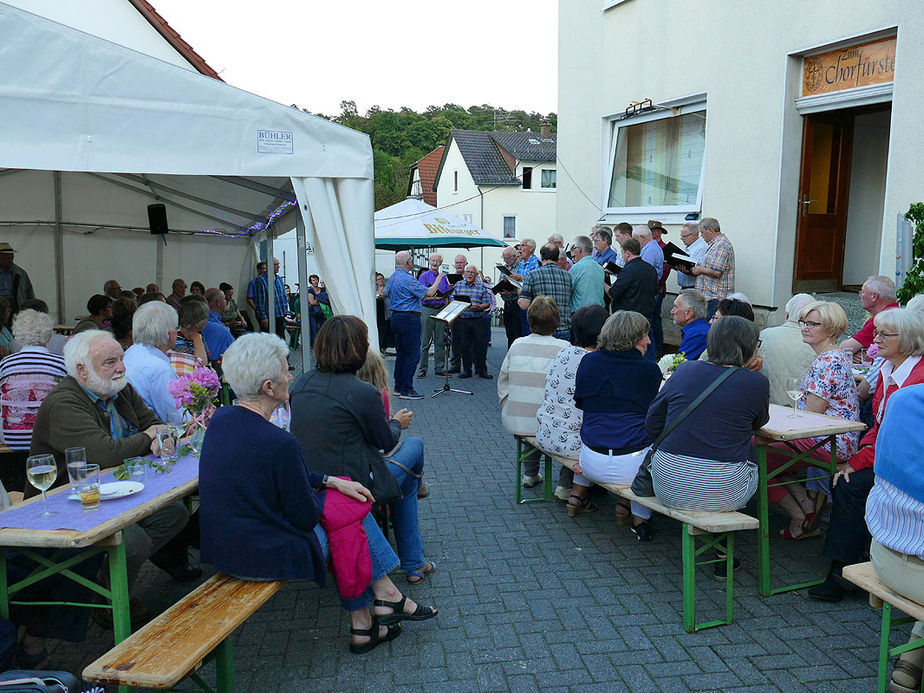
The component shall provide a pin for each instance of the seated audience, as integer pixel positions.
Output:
(6, 337)
(895, 517)
(876, 295)
(26, 377)
(406, 463)
(559, 429)
(178, 288)
(736, 306)
(785, 354)
(112, 288)
(615, 386)
(828, 388)
(689, 314)
(519, 384)
(99, 308)
(56, 343)
(127, 296)
(232, 317)
(341, 422)
(138, 292)
(193, 316)
(151, 288)
(261, 506)
(705, 462)
(899, 334)
(96, 408)
(197, 288)
(147, 365)
(217, 337)
(147, 298)
(123, 311)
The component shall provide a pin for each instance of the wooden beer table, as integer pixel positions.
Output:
(782, 428)
(94, 531)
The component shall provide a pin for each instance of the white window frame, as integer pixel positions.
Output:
(547, 188)
(666, 213)
(504, 235)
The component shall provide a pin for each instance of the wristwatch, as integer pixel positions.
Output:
(324, 480)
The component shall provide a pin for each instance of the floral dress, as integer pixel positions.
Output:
(831, 378)
(559, 429)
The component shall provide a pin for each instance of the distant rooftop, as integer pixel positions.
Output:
(483, 152)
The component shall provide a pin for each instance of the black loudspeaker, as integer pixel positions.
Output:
(157, 219)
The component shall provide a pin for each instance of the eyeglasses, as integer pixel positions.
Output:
(758, 344)
(809, 323)
(883, 335)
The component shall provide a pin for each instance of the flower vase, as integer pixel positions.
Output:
(195, 440)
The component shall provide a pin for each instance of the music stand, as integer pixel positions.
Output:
(448, 316)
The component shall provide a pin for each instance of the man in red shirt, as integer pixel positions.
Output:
(876, 295)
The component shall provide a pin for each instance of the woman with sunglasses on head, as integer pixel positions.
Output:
(828, 388)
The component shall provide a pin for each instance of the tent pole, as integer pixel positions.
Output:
(159, 243)
(302, 256)
(59, 249)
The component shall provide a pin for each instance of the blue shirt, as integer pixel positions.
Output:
(476, 291)
(654, 256)
(608, 255)
(6, 282)
(261, 300)
(149, 371)
(586, 284)
(404, 292)
(696, 250)
(216, 335)
(118, 427)
(526, 266)
(694, 339)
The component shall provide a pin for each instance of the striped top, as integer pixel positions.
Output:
(26, 377)
(895, 519)
(521, 382)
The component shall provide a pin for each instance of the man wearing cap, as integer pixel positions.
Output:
(14, 281)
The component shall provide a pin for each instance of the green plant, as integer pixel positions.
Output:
(914, 280)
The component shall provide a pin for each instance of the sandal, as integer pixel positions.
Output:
(415, 577)
(421, 613)
(803, 533)
(582, 507)
(623, 513)
(373, 634)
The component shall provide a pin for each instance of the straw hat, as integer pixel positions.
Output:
(6, 248)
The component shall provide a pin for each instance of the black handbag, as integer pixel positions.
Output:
(43, 682)
(643, 484)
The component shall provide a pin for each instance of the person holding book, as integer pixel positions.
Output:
(433, 331)
(511, 309)
(693, 246)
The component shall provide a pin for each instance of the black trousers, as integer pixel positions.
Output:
(473, 347)
(512, 322)
(848, 537)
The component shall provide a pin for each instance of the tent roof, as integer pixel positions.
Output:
(413, 223)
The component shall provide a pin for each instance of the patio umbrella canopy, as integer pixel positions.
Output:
(415, 224)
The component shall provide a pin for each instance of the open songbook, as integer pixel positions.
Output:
(506, 284)
(675, 257)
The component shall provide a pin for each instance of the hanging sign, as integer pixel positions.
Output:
(849, 67)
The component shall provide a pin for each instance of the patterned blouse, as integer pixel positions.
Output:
(831, 379)
(559, 429)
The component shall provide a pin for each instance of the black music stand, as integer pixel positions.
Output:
(448, 316)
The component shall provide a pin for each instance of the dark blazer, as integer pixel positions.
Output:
(68, 418)
(635, 288)
(258, 503)
(340, 422)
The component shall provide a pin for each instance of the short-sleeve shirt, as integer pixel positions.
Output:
(865, 335)
(720, 256)
(831, 379)
(552, 281)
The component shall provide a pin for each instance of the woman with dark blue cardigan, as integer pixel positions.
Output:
(260, 506)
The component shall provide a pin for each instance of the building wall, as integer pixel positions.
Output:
(746, 59)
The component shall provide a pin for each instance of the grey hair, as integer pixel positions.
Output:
(108, 285)
(152, 324)
(916, 303)
(530, 242)
(909, 324)
(622, 331)
(584, 243)
(32, 328)
(251, 360)
(598, 228)
(883, 286)
(556, 238)
(77, 349)
(641, 231)
(692, 225)
(193, 311)
(710, 223)
(795, 305)
(695, 301)
(732, 341)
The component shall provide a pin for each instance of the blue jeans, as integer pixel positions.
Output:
(406, 328)
(404, 511)
(383, 557)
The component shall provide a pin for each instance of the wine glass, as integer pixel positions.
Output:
(42, 472)
(75, 459)
(795, 392)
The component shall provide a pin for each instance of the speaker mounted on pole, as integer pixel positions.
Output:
(157, 219)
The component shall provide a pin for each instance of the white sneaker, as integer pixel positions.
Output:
(562, 493)
(530, 481)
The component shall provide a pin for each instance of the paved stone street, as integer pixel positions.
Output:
(532, 600)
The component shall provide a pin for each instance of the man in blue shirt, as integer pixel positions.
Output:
(689, 314)
(261, 301)
(406, 294)
(528, 263)
(603, 251)
(215, 334)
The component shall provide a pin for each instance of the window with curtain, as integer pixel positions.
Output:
(549, 177)
(510, 227)
(658, 163)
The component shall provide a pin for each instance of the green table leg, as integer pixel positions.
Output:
(763, 517)
(688, 544)
(224, 666)
(118, 583)
(884, 647)
(4, 591)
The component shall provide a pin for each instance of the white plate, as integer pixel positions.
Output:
(114, 489)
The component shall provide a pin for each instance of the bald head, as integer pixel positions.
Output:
(403, 259)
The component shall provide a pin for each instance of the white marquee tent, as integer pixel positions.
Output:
(94, 132)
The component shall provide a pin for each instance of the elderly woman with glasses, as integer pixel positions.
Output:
(829, 388)
(261, 506)
(899, 334)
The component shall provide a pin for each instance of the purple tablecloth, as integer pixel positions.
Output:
(72, 516)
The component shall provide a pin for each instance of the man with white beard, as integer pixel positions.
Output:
(96, 408)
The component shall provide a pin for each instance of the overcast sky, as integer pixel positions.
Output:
(316, 54)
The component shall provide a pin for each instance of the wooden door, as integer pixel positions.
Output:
(822, 205)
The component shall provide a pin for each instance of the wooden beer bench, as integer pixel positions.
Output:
(175, 644)
(714, 530)
(881, 596)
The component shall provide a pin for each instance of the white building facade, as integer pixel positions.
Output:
(795, 124)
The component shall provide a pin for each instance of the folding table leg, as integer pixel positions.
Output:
(118, 585)
(884, 647)
(224, 666)
(688, 544)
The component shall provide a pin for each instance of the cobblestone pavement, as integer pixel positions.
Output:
(532, 600)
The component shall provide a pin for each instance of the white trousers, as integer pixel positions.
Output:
(611, 469)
